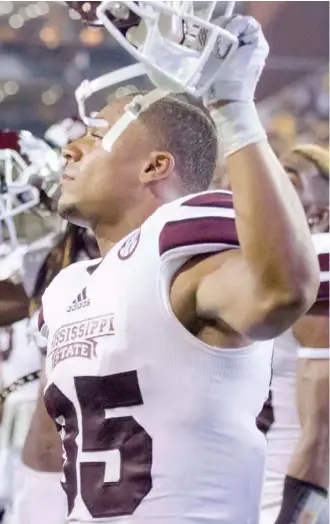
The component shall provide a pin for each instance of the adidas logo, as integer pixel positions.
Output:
(80, 302)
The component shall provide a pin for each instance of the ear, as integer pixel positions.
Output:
(159, 165)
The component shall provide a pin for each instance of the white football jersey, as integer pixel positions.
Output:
(279, 418)
(156, 425)
(18, 359)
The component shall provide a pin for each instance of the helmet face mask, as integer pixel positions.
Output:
(170, 44)
(175, 45)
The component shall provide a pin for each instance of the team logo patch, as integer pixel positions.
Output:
(129, 246)
(79, 339)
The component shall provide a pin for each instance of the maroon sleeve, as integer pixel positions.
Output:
(193, 231)
(211, 199)
(204, 230)
(323, 293)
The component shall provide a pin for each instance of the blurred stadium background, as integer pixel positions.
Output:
(45, 52)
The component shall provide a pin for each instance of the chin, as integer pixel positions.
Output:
(70, 212)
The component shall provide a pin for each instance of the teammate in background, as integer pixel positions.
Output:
(173, 334)
(19, 377)
(23, 155)
(40, 498)
(37, 498)
(296, 415)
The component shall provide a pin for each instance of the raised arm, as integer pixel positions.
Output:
(262, 288)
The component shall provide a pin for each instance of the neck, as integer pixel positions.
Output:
(109, 233)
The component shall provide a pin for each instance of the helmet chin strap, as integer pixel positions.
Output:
(132, 111)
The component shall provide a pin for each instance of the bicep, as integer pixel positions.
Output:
(229, 291)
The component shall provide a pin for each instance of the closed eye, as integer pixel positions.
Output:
(96, 137)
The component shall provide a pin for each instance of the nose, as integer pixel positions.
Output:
(72, 153)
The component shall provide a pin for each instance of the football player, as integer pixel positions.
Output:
(152, 346)
(296, 415)
(22, 156)
(38, 496)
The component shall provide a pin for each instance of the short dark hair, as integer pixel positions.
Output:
(183, 126)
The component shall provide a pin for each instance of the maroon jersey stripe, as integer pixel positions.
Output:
(323, 293)
(324, 261)
(41, 320)
(210, 200)
(192, 231)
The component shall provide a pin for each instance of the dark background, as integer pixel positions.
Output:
(45, 54)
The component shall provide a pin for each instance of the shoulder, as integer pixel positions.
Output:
(59, 287)
(204, 219)
(67, 277)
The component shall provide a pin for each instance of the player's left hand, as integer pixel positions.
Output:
(239, 76)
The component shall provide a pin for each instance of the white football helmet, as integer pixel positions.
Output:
(23, 155)
(11, 261)
(27, 165)
(174, 42)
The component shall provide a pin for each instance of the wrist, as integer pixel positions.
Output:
(238, 125)
(301, 497)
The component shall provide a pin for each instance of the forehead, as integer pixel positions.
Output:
(112, 112)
